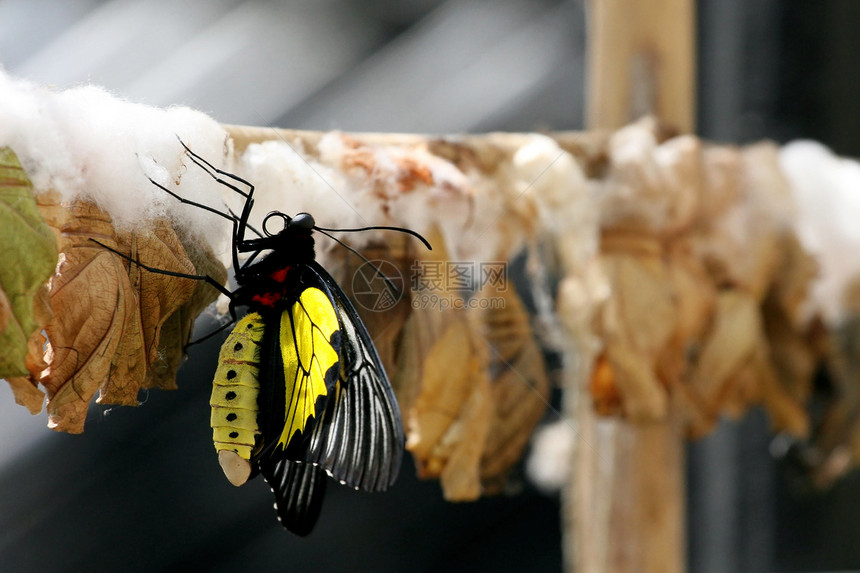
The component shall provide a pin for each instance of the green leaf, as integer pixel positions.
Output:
(28, 256)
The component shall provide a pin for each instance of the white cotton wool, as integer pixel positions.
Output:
(86, 143)
(452, 205)
(383, 186)
(363, 202)
(549, 462)
(826, 189)
(553, 179)
(288, 180)
(551, 176)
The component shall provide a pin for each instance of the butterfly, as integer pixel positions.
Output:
(299, 391)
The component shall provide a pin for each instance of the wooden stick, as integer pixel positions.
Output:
(641, 61)
(624, 507)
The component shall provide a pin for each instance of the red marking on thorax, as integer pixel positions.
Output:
(267, 299)
(280, 275)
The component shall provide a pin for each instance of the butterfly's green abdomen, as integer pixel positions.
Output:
(235, 389)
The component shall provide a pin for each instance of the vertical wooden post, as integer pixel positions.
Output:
(641, 60)
(624, 507)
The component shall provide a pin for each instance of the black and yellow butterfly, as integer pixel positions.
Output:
(299, 391)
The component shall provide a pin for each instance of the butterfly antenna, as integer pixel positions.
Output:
(362, 257)
(379, 228)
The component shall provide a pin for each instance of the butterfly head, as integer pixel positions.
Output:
(290, 239)
(302, 221)
(301, 224)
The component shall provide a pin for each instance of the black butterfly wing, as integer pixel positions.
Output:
(299, 489)
(359, 440)
(300, 366)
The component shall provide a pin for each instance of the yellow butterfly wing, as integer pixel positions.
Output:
(309, 340)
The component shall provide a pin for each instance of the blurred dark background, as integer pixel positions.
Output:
(141, 489)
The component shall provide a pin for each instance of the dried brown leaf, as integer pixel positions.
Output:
(519, 399)
(733, 338)
(793, 280)
(694, 297)
(417, 337)
(786, 413)
(503, 322)
(55, 215)
(793, 358)
(519, 387)
(463, 444)
(641, 310)
(698, 421)
(644, 398)
(694, 294)
(383, 310)
(419, 333)
(175, 331)
(445, 387)
(637, 322)
(128, 363)
(159, 295)
(108, 312)
(26, 393)
(742, 390)
(92, 302)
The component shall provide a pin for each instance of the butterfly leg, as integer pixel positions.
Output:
(206, 278)
(216, 174)
(230, 217)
